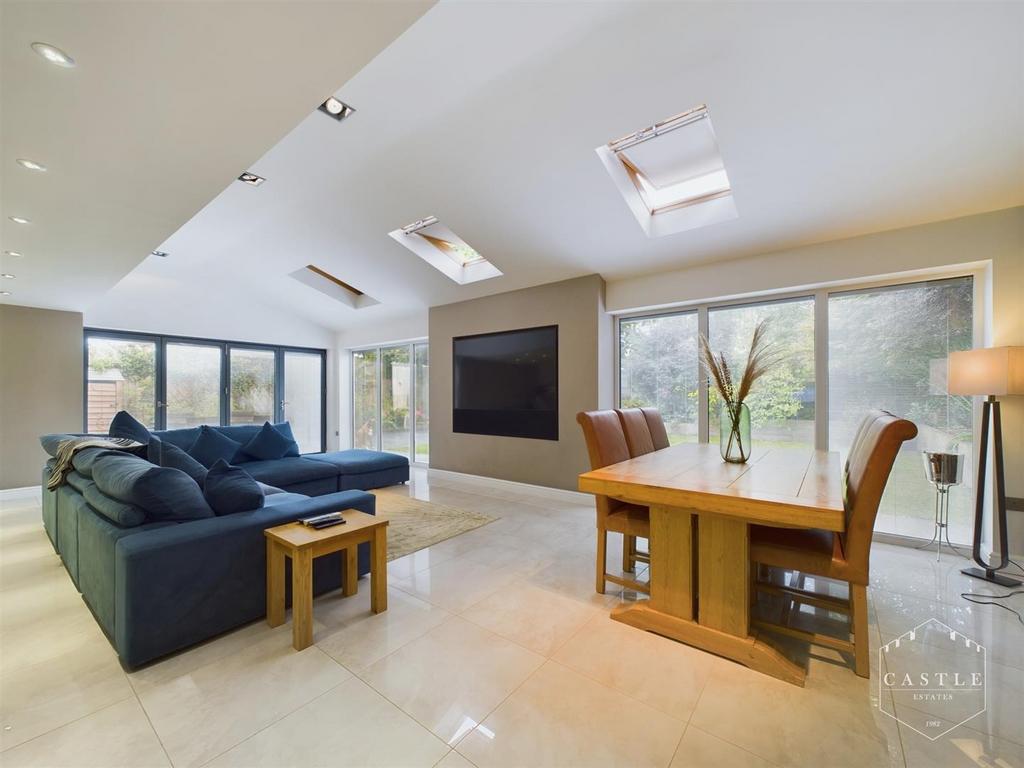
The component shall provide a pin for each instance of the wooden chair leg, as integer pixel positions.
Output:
(602, 555)
(628, 553)
(859, 616)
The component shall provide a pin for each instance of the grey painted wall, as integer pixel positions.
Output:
(584, 380)
(40, 386)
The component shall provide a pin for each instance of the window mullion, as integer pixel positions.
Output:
(703, 426)
(821, 408)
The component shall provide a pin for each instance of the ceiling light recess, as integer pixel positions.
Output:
(445, 251)
(14, 254)
(159, 254)
(251, 179)
(53, 54)
(334, 287)
(336, 108)
(20, 220)
(671, 174)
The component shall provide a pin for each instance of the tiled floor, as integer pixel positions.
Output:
(495, 651)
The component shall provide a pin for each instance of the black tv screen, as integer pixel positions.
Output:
(506, 383)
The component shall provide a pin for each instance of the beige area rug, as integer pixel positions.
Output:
(416, 524)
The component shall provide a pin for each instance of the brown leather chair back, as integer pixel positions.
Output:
(875, 446)
(638, 434)
(657, 426)
(606, 444)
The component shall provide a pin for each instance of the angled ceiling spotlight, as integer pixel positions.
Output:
(251, 179)
(20, 220)
(5, 293)
(335, 108)
(7, 276)
(53, 54)
(31, 165)
(161, 254)
(14, 254)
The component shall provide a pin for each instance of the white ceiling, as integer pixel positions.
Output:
(169, 102)
(833, 120)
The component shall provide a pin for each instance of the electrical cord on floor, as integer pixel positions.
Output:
(972, 597)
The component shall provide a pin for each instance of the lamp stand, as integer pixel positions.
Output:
(990, 411)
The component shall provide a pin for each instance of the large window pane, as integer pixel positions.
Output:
(121, 377)
(887, 349)
(303, 398)
(782, 401)
(364, 399)
(193, 385)
(658, 368)
(252, 385)
(395, 393)
(421, 396)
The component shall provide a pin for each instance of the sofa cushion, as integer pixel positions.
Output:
(164, 493)
(51, 443)
(231, 489)
(272, 500)
(285, 428)
(83, 460)
(211, 445)
(267, 444)
(77, 481)
(289, 471)
(359, 460)
(270, 490)
(170, 455)
(127, 426)
(124, 515)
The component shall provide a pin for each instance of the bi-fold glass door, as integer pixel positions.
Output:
(390, 410)
(173, 383)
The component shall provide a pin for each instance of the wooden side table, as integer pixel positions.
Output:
(302, 543)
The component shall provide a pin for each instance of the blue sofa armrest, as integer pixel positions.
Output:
(178, 585)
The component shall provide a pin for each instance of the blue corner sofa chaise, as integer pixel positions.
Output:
(169, 573)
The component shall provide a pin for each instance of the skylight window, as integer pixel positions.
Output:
(334, 287)
(671, 174)
(445, 251)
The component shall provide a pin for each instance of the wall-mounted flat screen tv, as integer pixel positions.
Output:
(506, 383)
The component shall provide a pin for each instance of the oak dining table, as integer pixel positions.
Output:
(701, 510)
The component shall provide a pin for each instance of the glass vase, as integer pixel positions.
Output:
(734, 432)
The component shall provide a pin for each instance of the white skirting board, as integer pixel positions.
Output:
(28, 493)
(557, 494)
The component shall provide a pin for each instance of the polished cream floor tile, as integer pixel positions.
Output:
(963, 747)
(356, 637)
(562, 719)
(203, 713)
(700, 749)
(350, 725)
(452, 677)
(533, 617)
(118, 736)
(45, 696)
(456, 584)
(664, 674)
(454, 760)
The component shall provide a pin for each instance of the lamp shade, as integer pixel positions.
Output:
(992, 371)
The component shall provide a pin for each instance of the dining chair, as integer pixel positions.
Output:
(657, 426)
(841, 556)
(639, 441)
(606, 444)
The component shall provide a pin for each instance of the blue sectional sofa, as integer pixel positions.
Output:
(158, 581)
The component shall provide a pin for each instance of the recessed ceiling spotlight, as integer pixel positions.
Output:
(32, 165)
(339, 110)
(7, 276)
(5, 293)
(53, 54)
(13, 254)
(251, 179)
(19, 220)
(161, 254)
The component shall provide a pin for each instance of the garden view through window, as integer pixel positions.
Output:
(390, 408)
(173, 383)
(886, 348)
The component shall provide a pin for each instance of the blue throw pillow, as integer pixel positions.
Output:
(267, 444)
(231, 489)
(211, 445)
(161, 492)
(171, 455)
(286, 429)
(127, 426)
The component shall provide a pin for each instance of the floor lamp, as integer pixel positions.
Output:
(989, 372)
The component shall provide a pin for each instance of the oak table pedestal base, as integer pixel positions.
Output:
(302, 544)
